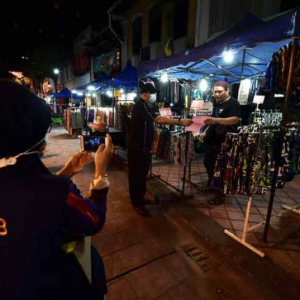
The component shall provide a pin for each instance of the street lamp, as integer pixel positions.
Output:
(56, 73)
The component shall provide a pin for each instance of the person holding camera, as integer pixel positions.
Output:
(41, 213)
(225, 118)
(140, 143)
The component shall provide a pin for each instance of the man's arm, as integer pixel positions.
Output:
(168, 121)
(223, 121)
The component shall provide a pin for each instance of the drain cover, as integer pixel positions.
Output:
(200, 257)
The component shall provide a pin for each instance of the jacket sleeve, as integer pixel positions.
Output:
(85, 217)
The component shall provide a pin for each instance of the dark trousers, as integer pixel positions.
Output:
(210, 158)
(138, 168)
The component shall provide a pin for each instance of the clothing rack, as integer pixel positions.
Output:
(274, 182)
(184, 179)
(296, 209)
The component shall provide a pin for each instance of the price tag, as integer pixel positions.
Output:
(166, 112)
(197, 104)
(259, 99)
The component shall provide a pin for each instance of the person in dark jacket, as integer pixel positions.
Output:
(40, 212)
(140, 143)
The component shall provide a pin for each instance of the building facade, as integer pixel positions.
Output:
(153, 29)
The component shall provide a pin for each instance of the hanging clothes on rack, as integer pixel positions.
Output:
(266, 117)
(123, 111)
(246, 161)
(76, 119)
(278, 69)
(171, 146)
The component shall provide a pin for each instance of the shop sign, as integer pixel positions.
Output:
(166, 112)
(258, 99)
(197, 105)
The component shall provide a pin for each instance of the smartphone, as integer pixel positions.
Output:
(91, 143)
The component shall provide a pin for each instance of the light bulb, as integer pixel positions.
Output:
(203, 85)
(91, 88)
(228, 56)
(109, 93)
(164, 77)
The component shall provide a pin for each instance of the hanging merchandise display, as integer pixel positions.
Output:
(171, 146)
(266, 117)
(277, 72)
(74, 119)
(123, 112)
(99, 115)
(244, 91)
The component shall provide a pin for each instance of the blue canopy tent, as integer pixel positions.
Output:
(128, 79)
(96, 84)
(65, 93)
(251, 41)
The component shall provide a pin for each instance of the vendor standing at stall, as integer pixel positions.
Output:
(225, 118)
(140, 143)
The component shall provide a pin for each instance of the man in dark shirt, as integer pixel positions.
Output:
(225, 118)
(140, 143)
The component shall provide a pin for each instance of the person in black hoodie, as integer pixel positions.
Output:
(40, 212)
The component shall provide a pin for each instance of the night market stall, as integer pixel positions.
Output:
(264, 59)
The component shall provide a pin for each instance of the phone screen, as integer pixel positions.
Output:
(91, 143)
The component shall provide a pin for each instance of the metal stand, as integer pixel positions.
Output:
(246, 229)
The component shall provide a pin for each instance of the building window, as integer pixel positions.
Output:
(155, 20)
(137, 33)
(181, 19)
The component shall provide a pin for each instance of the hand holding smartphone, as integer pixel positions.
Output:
(91, 143)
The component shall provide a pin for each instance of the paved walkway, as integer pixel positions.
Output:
(152, 258)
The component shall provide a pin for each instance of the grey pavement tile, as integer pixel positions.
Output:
(221, 214)
(152, 281)
(132, 257)
(234, 215)
(237, 225)
(176, 266)
(225, 223)
(254, 218)
(205, 211)
(233, 207)
(121, 290)
(105, 243)
(184, 292)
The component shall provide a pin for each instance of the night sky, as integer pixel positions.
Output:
(26, 25)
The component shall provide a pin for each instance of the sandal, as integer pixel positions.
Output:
(218, 200)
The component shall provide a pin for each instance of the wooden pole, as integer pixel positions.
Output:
(290, 81)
